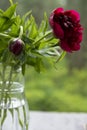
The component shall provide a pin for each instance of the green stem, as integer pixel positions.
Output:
(21, 32)
(5, 35)
(61, 56)
(10, 77)
(4, 94)
(11, 2)
(19, 118)
(7, 96)
(3, 82)
(3, 116)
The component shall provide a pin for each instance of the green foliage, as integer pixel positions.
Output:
(79, 82)
(40, 47)
(57, 89)
(6, 19)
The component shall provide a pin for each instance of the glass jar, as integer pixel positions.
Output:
(14, 112)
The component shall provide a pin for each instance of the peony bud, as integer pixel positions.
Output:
(16, 46)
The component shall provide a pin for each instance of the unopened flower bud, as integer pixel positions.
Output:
(16, 46)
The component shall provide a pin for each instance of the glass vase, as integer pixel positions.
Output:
(14, 112)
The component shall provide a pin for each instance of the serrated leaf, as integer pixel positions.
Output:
(10, 11)
(7, 24)
(6, 18)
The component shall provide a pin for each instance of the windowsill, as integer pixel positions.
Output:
(57, 121)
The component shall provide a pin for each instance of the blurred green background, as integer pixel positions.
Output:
(64, 87)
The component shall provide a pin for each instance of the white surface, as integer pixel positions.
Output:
(57, 121)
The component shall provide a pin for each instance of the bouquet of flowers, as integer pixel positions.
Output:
(24, 43)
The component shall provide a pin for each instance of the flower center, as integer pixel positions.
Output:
(65, 21)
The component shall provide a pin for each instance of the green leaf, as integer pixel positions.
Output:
(33, 30)
(3, 43)
(48, 42)
(26, 26)
(10, 11)
(61, 56)
(41, 38)
(25, 21)
(6, 18)
(1, 12)
(30, 60)
(26, 16)
(43, 64)
(7, 24)
(2, 22)
(44, 24)
(18, 21)
(11, 2)
(14, 30)
(27, 40)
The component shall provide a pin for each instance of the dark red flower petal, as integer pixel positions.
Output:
(58, 31)
(66, 26)
(65, 46)
(58, 11)
(73, 14)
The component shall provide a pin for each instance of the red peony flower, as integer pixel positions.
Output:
(66, 26)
